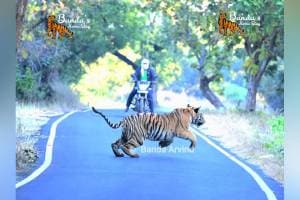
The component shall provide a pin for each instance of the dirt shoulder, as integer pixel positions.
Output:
(29, 120)
(243, 134)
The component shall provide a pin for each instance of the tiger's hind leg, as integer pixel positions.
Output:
(129, 145)
(128, 150)
(115, 147)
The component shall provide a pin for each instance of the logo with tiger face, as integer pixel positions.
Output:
(54, 29)
(225, 25)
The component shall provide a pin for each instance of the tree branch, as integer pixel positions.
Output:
(116, 53)
(264, 64)
(213, 77)
(125, 59)
(83, 48)
(36, 24)
(201, 59)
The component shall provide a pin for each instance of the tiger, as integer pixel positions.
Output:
(225, 24)
(163, 128)
(53, 27)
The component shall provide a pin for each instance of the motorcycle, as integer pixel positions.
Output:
(140, 101)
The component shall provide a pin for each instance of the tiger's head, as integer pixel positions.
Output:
(222, 15)
(51, 17)
(197, 116)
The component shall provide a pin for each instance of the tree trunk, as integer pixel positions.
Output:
(208, 94)
(204, 82)
(254, 80)
(251, 94)
(253, 83)
(20, 13)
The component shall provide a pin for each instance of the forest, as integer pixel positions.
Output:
(180, 38)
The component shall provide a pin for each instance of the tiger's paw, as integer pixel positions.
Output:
(135, 156)
(192, 145)
(120, 155)
(129, 152)
(163, 144)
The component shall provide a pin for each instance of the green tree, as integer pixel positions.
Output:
(191, 26)
(263, 43)
(114, 24)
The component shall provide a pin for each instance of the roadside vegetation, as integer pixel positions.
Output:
(29, 120)
(256, 137)
(30, 117)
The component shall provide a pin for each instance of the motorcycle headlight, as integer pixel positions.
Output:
(143, 86)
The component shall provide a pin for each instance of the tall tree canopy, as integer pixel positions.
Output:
(170, 33)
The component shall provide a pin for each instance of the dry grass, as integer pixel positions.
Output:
(244, 134)
(30, 117)
(64, 98)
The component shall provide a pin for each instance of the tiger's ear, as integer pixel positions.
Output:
(196, 110)
(188, 105)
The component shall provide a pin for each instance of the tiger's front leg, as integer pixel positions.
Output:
(188, 135)
(53, 34)
(49, 33)
(220, 30)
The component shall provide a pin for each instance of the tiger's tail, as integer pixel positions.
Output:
(117, 125)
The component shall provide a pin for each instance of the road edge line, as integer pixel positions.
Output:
(265, 188)
(48, 154)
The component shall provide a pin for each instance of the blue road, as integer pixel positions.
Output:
(84, 167)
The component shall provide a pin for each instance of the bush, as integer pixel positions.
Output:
(64, 97)
(103, 79)
(275, 142)
(25, 84)
(29, 86)
(234, 92)
(38, 87)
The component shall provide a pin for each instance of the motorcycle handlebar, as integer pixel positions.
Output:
(135, 81)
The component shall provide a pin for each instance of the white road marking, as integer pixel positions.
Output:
(269, 193)
(86, 110)
(48, 154)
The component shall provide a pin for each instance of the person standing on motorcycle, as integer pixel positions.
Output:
(143, 73)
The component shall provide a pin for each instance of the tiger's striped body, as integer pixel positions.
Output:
(225, 24)
(162, 128)
(53, 28)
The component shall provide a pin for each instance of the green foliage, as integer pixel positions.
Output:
(189, 28)
(216, 87)
(165, 31)
(275, 142)
(250, 66)
(272, 86)
(29, 89)
(235, 92)
(108, 77)
(263, 55)
(113, 24)
(25, 84)
(168, 73)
